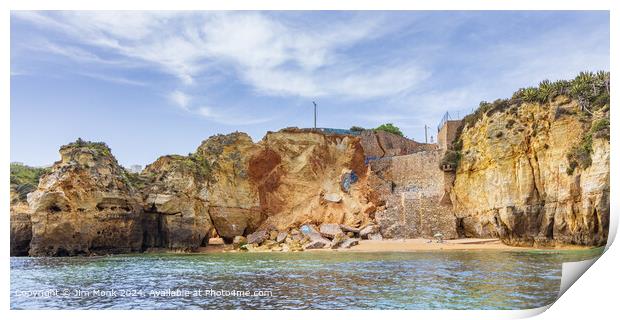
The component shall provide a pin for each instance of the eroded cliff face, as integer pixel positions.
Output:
(174, 196)
(229, 187)
(232, 199)
(84, 205)
(21, 227)
(308, 177)
(513, 180)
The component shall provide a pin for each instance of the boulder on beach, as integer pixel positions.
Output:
(348, 243)
(258, 237)
(375, 236)
(330, 230)
(238, 241)
(317, 244)
(338, 240)
(281, 236)
(369, 229)
(273, 234)
(347, 228)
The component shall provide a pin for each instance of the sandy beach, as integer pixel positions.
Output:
(407, 245)
(413, 245)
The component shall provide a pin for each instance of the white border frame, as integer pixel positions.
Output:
(592, 298)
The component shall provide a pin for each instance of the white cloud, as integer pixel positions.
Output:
(277, 56)
(228, 118)
(114, 79)
(180, 99)
(271, 56)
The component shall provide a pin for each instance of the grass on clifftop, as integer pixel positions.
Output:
(100, 147)
(591, 90)
(193, 164)
(25, 179)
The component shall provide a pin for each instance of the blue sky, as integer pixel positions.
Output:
(155, 83)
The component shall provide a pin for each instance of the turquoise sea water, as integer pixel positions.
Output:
(303, 280)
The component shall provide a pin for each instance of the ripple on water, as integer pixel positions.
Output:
(306, 280)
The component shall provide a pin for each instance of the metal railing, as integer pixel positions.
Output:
(446, 117)
(450, 116)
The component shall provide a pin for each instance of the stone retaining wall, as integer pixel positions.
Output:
(413, 202)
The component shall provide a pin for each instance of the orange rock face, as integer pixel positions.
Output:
(84, 206)
(229, 187)
(296, 174)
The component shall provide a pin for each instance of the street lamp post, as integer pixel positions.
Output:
(314, 103)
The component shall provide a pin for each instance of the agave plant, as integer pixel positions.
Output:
(529, 94)
(581, 90)
(602, 79)
(546, 91)
(561, 87)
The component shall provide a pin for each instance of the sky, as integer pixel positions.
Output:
(154, 83)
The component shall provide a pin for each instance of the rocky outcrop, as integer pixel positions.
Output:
(85, 205)
(21, 226)
(176, 212)
(24, 180)
(233, 199)
(229, 187)
(298, 176)
(514, 180)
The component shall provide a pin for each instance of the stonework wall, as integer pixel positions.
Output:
(447, 133)
(379, 144)
(413, 203)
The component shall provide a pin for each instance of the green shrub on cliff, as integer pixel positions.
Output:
(450, 159)
(25, 179)
(590, 90)
(600, 128)
(388, 127)
(100, 147)
(136, 179)
(579, 155)
(193, 164)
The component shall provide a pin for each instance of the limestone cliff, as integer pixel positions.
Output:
(309, 177)
(515, 179)
(232, 198)
(229, 187)
(531, 170)
(174, 194)
(21, 227)
(24, 180)
(85, 205)
(289, 178)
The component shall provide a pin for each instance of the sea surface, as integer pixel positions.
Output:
(300, 280)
